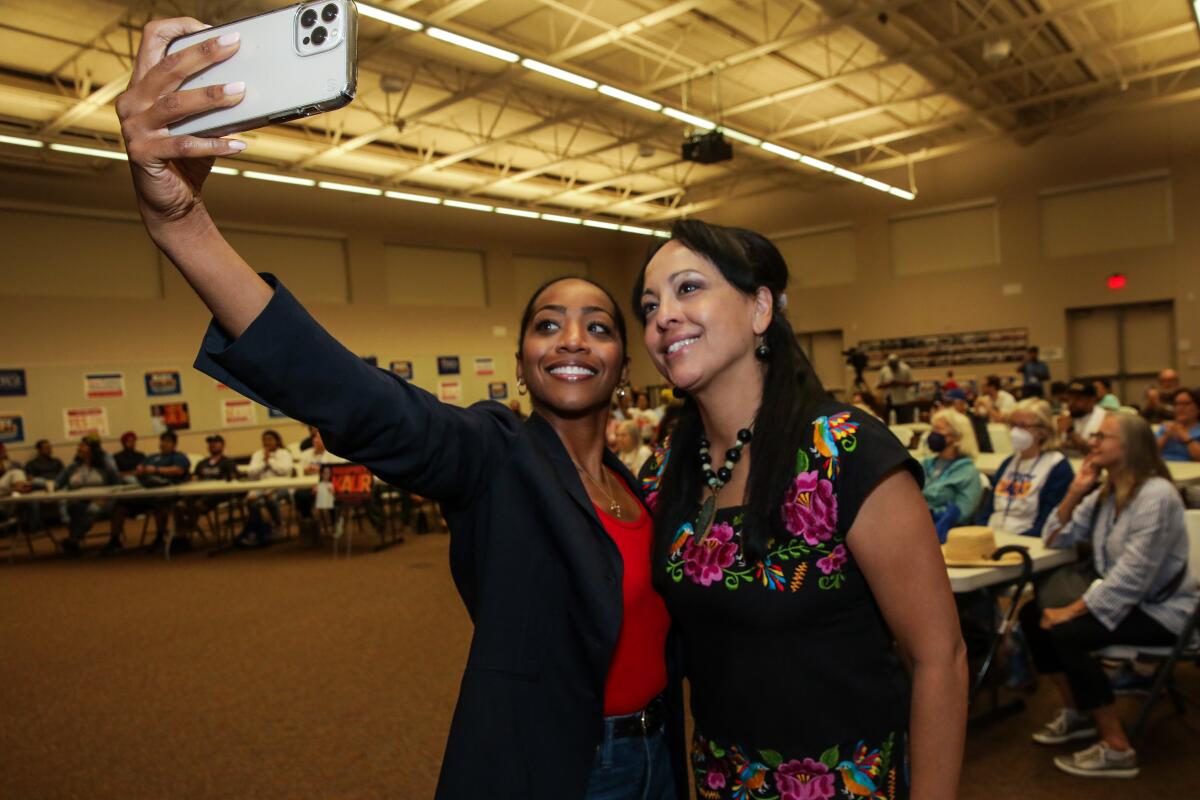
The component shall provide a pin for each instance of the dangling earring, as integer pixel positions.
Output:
(763, 351)
(621, 393)
(522, 389)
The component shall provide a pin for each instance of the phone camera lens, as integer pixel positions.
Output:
(308, 18)
(319, 36)
(329, 13)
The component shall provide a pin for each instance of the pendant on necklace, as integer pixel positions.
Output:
(614, 508)
(708, 510)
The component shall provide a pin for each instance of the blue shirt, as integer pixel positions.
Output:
(160, 460)
(1175, 450)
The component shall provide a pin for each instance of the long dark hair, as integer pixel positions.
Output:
(791, 391)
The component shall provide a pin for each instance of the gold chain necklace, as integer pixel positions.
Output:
(614, 507)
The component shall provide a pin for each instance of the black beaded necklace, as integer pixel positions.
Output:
(717, 480)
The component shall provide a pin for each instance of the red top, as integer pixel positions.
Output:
(638, 671)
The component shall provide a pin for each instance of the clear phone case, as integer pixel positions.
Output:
(295, 62)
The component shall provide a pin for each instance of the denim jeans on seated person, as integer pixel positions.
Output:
(631, 768)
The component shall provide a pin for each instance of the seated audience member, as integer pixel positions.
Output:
(98, 446)
(166, 467)
(1108, 401)
(1158, 406)
(957, 400)
(88, 470)
(216, 467)
(1034, 374)
(1179, 439)
(271, 461)
(1143, 593)
(44, 466)
(1058, 399)
(311, 461)
(129, 457)
(12, 479)
(630, 450)
(995, 403)
(1085, 416)
(1031, 482)
(952, 485)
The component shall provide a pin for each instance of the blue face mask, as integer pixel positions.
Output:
(936, 442)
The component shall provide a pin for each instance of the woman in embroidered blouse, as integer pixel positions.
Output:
(1032, 481)
(791, 563)
(952, 484)
(1143, 595)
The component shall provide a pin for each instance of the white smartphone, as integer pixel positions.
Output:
(295, 62)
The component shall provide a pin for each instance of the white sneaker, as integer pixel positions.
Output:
(1067, 726)
(1100, 761)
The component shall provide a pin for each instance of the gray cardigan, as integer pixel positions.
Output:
(1137, 554)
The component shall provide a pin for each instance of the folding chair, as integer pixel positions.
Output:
(1184, 649)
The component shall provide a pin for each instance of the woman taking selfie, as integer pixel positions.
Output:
(566, 691)
(793, 546)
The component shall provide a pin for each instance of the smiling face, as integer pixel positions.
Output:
(572, 357)
(698, 325)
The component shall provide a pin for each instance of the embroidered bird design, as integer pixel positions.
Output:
(828, 432)
(682, 537)
(860, 775)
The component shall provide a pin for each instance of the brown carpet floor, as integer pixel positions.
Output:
(288, 674)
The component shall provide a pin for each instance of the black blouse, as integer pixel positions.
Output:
(795, 683)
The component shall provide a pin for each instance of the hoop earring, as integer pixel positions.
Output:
(522, 389)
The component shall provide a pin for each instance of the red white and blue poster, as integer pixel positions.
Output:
(163, 382)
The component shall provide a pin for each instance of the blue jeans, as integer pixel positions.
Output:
(631, 768)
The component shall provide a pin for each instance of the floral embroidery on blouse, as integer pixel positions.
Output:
(743, 773)
(810, 515)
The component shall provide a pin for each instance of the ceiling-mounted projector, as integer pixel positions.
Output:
(707, 148)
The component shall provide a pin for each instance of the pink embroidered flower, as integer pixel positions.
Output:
(834, 561)
(704, 559)
(652, 501)
(715, 777)
(804, 780)
(811, 508)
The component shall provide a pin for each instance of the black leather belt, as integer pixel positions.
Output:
(641, 723)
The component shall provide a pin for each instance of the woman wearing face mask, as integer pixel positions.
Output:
(952, 483)
(1143, 593)
(1032, 481)
(566, 691)
(793, 549)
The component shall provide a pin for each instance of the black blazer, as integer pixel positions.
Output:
(539, 575)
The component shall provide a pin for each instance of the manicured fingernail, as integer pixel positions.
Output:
(229, 38)
(237, 87)
(237, 145)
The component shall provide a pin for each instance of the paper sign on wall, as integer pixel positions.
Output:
(163, 382)
(12, 383)
(170, 417)
(497, 390)
(403, 369)
(104, 384)
(12, 428)
(448, 365)
(79, 422)
(485, 365)
(450, 391)
(238, 412)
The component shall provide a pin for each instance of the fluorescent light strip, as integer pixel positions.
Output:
(848, 175)
(663, 234)
(771, 147)
(605, 226)
(690, 119)
(878, 186)
(388, 17)
(901, 193)
(561, 218)
(636, 229)
(347, 187)
(115, 155)
(466, 205)
(273, 178)
(628, 97)
(517, 212)
(561, 74)
(817, 163)
(471, 44)
(414, 198)
(753, 141)
(20, 142)
(225, 171)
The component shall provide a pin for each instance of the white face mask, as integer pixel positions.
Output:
(1022, 439)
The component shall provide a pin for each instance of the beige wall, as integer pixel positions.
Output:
(57, 339)
(878, 304)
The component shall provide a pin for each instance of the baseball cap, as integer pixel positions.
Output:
(128, 435)
(216, 437)
(955, 394)
(1084, 388)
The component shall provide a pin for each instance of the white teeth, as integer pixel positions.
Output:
(682, 343)
(572, 370)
